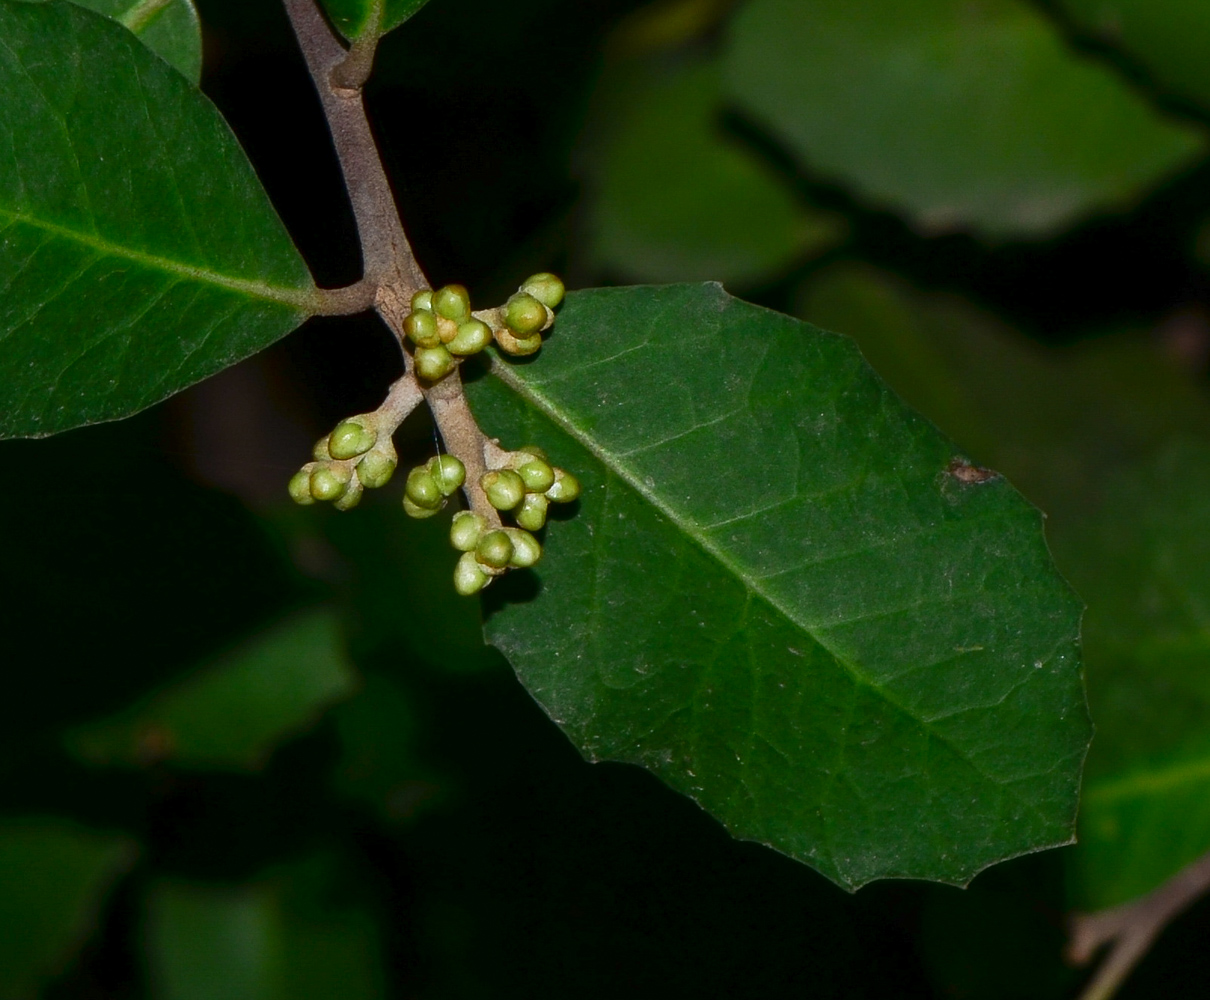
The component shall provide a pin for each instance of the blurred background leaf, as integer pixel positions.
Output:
(287, 935)
(54, 875)
(230, 713)
(960, 115)
(1169, 41)
(393, 600)
(123, 574)
(674, 199)
(1145, 813)
(380, 763)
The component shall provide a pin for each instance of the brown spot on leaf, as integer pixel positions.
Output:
(964, 472)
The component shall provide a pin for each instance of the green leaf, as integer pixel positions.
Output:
(957, 114)
(778, 598)
(1170, 39)
(674, 200)
(138, 251)
(355, 18)
(232, 713)
(53, 878)
(279, 938)
(1097, 435)
(170, 28)
(1145, 811)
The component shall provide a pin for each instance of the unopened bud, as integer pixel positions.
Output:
(526, 549)
(547, 288)
(524, 314)
(448, 472)
(350, 439)
(300, 488)
(469, 577)
(466, 530)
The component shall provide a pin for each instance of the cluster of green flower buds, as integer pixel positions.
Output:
(443, 329)
(527, 485)
(488, 552)
(524, 486)
(429, 486)
(353, 458)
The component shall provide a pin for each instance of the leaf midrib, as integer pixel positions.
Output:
(611, 462)
(294, 298)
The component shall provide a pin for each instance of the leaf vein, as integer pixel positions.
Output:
(302, 300)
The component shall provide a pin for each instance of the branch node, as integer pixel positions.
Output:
(349, 300)
(385, 251)
(1129, 930)
(350, 74)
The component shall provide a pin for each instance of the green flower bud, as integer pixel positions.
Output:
(503, 487)
(320, 452)
(495, 549)
(519, 346)
(524, 314)
(565, 489)
(351, 496)
(448, 472)
(421, 328)
(452, 302)
(376, 469)
(473, 336)
(533, 449)
(526, 549)
(300, 488)
(423, 300)
(537, 475)
(433, 363)
(469, 578)
(547, 288)
(350, 439)
(329, 482)
(412, 510)
(531, 515)
(422, 489)
(466, 530)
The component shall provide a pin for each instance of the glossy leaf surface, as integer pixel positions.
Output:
(53, 877)
(1098, 435)
(234, 711)
(138, 251)
(676, 200)
(355, 18)
(958, 115)
(1170, 39)
(170, 28)
(778, 597)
